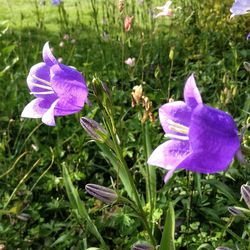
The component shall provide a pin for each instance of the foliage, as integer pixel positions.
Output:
(35, 210)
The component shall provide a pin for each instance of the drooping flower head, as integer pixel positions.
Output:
(203, 139)
(164, 10)
(59, 89)
(240, 7)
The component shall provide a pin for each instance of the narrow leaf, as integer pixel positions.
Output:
(167, 240)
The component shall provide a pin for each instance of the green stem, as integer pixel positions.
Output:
(135, 196)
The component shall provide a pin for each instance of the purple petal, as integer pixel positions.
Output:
(191, 93)
(169, 174)
(48, 117)
(169, 154)
(70, 86)
(48, 57)
(42, 71)
(248, 36)
(240, 7)
(66, 106)
(178, 112)
(36, 108)
(213, 139)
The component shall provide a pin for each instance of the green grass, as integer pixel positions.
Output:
(34, 208)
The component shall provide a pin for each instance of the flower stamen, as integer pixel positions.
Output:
(178, 137)
(42, 93)
(41, 86)
(177, 127)
(41, 80)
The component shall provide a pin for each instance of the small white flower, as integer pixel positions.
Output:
(130, 62)
(165, 10)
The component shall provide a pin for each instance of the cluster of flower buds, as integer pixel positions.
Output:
(137, 97)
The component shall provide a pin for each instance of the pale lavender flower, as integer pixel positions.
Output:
(240, 7)
(59, 89)
(164, 10)
(203, 139)
(248, 36)
(56, 2)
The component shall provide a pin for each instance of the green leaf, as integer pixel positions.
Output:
(78, 205)
(224, 189)
(167, 240)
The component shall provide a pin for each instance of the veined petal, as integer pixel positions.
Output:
(48, 117)
(191, 93)
(38, 81)
(36, 108)
(213, 139)
(178, 112)
(70, 86)
(48, 57)
(169, 154)
(66, 106)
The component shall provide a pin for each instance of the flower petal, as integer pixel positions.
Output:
(169, 174)
(48, 117)
(38, 76)
(70, 86)
(36, 108)
(191, 93)
(169, 154)
(213, 139)
(178, 112)
(48, 57)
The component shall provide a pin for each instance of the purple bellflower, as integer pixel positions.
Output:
(240, 7)
(59, 89)
(203, 139)
(55, 2)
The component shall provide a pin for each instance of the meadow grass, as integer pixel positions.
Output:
(34, 207)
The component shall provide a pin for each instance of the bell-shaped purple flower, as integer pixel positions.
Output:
(59, 89)
(240, 7)
(203, 139)
(56, 2)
